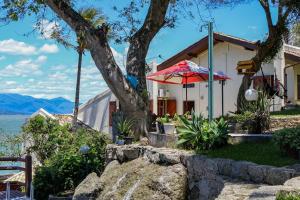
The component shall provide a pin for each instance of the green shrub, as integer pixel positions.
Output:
(288, 140)
(68, 167)
(164, 119)
(199, 134)
(46, 136)
(63, 165)
(255, 116)
(125, 128)
(288, 196)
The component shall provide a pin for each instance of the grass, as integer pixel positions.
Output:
(286, 113)
(264, 153)
(287, 196)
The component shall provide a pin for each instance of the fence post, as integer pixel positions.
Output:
(28, 174)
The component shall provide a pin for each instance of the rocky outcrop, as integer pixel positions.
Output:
(144, 172)
(137, 179)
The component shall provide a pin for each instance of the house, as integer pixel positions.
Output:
(228, 51)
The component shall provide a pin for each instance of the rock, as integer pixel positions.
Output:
(89, 188)
(169, 158)
(277, 176)
(268, 192)
(136, 180)
(144, 141)
(296, 167)
(224, 166)
(257, 173)
(235, 189)
(206, 188)
(294, 182)
(240, 169)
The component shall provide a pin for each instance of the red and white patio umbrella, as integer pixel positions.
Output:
(185, 72)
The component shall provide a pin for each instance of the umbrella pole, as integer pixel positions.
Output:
(186, 95)
(222, 82)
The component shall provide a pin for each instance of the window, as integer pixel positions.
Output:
(258, 81)
(190, 85)
(188, 107)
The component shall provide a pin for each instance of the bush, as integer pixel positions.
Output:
(63, 165)
(288, 140)
(68, 167)
(44, 137)
(255, 116)
(199, 134)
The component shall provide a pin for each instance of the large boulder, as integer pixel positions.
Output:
(137, 179)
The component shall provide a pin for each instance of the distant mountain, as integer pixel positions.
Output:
(20, 104)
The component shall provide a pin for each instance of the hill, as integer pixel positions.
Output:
(20, 104)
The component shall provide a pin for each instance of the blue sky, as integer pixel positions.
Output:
(39, 67)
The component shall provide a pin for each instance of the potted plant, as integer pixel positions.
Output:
(168, 126)
(125, 129)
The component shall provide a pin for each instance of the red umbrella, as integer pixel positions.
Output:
(185, 72)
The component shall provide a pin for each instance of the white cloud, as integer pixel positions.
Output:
(49, 48)
(23, 68)
(8, 83)
(14, 47)
(58, 67)
(46, 28)
(41, 59)
(119, 58)
(58, 76)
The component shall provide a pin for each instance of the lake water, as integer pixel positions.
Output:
(11, 125)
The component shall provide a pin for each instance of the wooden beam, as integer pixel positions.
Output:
(11, 159)
(12, 168)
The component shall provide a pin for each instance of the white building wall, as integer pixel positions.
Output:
(95, 113)
(226, 57)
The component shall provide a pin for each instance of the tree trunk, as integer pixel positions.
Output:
(246, 83)
(76, 106)
(141, 119)
(135, 102)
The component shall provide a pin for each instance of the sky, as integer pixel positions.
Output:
(38, 66)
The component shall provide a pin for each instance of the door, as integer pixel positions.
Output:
(112, 109)
(188, 107)
(166, 107)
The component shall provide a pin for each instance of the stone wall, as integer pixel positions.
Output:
(284, 122)
(205, 175)
(162, 140)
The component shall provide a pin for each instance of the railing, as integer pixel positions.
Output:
(27, 169)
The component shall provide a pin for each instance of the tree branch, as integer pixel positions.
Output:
(266, 7)
(100, 50)
(140, 41)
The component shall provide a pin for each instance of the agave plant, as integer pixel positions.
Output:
(199, 134)
(125, 127)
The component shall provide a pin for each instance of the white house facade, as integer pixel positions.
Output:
(228, 51)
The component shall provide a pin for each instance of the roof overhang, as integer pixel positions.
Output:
(202, 45)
